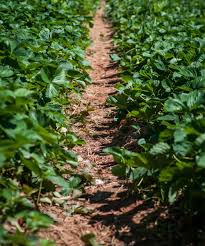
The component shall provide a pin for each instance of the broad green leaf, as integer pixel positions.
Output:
(138, 173)
(172, 195)
(32, 166)
(115, 57)
(59, 181)
(89, 239)
(119, 170)
(179, 135)
(60, 77)
(182, 148)
(160, 148)
(5, 72)
(22, 92)
(167, 174)
(45, 34)
(195, 98)
(51, 91)
(44, 76)
(173, 105)
(200, 160)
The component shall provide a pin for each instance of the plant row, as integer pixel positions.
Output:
(161, 51)
(42, 60)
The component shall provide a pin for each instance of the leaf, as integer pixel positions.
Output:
(45, 200)
(82, 210)
(185, 72)
(2, 159)
(201, 139)
(138, 173)
(74, 182)
(44, 76)
(71, 158)
(90, 239)
(182, 148)
(59, 181)
(160, 65)
(119, 170)
(35, 220)
(116, 152)
(195, 98)
(179, 135)
(115, 57)
(5, 72)
(173, 105)
(141, 141)
(167, 174)
(45, 34)
(201, 160)
(32, 166)
(172, 196)
(51, 91)
(22, 92)
(60, 77)
(77, 193)
(160, 148)
(45, 242)
(198, 83)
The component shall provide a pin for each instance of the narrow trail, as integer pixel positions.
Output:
(98, 131)
(113, 216)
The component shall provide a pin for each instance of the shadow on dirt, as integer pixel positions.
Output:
(142, 222)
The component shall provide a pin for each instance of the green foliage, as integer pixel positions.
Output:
(161, 46)
(42, 60)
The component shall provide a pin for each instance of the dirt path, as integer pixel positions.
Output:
(114, 216)
(98, 131)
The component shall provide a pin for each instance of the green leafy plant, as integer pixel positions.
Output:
(160, 46)
(42, 60)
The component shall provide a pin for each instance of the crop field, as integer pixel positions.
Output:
(80, 81)
(42, 61)
(163, 68)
